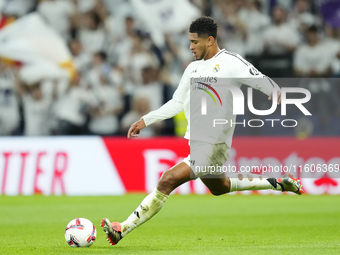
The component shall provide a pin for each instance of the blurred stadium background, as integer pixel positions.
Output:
(90, 68)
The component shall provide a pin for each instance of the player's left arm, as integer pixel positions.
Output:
(255, 79)
(277, 89)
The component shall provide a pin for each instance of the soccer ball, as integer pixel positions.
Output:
(80, 232)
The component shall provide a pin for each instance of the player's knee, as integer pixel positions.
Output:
(167, 183)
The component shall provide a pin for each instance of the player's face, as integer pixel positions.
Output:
(198, 46)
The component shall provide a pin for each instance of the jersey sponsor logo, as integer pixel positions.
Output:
(216, 68)
(212, 89)
(209, 79)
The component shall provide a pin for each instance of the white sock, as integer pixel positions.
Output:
(151, 205)
(250, 182)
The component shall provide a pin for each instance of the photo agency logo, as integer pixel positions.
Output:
(231, 97)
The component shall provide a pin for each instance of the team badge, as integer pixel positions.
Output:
(216, 68)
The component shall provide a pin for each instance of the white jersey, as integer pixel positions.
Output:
(223, 65)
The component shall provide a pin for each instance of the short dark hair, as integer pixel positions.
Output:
(313, 29)
(95, 16)
(102, 55)
(204, 27)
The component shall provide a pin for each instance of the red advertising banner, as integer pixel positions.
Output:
(141, 162)
(113, 166)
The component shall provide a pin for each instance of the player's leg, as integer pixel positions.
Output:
(174, 177)
(208, 156)
(221, 184)
(211, 155)
(154, 202)
(151, 205)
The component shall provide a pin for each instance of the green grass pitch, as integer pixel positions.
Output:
(187, 225)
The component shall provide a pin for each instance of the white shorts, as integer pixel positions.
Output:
(207, 158)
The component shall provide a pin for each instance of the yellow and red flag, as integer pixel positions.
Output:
(30, 40)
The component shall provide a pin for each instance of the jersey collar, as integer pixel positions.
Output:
(217, 54)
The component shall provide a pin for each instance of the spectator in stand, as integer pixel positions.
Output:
(72, 108)
(301, 17)
(104, 117)
(234, 32)
(121, 41)
(9, 103)
(256, 22)
(126, 43)
(59, 14)
(100, 67)
(203, 5)
(81, 59)
(151, 87)
(268, 5)
(132, 63)
(140, 107)
(120, 12)
(176, 57)
(36, 104)
(157, 91)
(311, 59)
(91, 33)
(280, 38)
(332, 47)
(104, 14)
(116, 79)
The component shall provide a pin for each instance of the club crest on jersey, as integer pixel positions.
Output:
(216, 68)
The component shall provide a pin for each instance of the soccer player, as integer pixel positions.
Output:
(202, 37)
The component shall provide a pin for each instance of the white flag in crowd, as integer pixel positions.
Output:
(165, 16)
(31, 41)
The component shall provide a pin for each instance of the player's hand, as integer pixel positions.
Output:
(136, 128)
(278, 97)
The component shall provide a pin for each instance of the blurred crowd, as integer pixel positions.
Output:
(123, 74)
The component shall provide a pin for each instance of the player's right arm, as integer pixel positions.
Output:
(136, 128)
(168, 110)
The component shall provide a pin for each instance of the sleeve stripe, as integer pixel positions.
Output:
(270, 81)
(246, 63)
